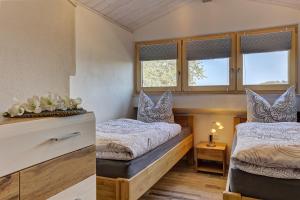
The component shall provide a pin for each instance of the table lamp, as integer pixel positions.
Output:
(213, 131)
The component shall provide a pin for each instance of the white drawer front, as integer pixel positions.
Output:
(85, 190)
(25, 144)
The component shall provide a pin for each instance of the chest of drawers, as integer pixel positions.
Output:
(48, 158)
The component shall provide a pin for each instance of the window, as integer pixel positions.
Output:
(267, 59)
(262, 59)
(276, 62)
(207, 62)
(159, 73)
(159, 66)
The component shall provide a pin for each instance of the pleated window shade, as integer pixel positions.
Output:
(268, 42)
(208, 49)
(158, 52)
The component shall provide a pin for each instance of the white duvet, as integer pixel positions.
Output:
(126, 139)
(268, 149)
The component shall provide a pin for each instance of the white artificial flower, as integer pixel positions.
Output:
(16, 110)
(33, 105)
(49, 103)
(76, 103)
(61, 103)
(67, 102)
(72, 103)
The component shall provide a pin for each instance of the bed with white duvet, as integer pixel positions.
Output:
(127, 139)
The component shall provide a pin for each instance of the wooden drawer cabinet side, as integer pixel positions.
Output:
(9, 187)
(49, 178)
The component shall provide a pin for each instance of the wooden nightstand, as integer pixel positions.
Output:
(211, 159)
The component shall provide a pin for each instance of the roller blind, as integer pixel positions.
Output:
(268, 42)
(158, 52)
(208, 49)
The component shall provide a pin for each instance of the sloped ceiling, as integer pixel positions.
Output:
(288, 3)
(133, 14)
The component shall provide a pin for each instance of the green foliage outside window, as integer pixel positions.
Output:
(163, 73)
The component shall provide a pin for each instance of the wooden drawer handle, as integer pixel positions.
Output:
(65, 137)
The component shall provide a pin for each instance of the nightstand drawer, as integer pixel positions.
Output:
(47, 179)
(210, 154)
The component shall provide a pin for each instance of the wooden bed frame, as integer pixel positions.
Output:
(135, 187)
(227, 195)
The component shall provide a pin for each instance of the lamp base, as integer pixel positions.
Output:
(211, 144)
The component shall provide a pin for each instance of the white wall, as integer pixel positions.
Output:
(216, 17)
(104, 60)
(37, 48)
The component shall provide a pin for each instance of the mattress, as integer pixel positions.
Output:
(127, 169)
(262, 187)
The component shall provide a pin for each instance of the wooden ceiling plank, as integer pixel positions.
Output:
(114, 4)
(91, 3)
(129, 8)
(154, 12)
(83, 1)
(287, 3)
(104, 5)
(135, 13)
(98, 3)
(155, 15)
(140, 13)
(100, 6)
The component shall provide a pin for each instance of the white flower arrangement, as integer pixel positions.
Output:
(51, 102)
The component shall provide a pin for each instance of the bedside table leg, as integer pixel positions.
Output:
(190, 157)
(224, 163)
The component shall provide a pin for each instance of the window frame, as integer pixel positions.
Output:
(138, 81)
(235, 65)
(214, 88)
(292, 62)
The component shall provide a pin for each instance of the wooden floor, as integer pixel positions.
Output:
(183, 183)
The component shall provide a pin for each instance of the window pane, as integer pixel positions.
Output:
(159, 73)
(267, 68)
(211, 72)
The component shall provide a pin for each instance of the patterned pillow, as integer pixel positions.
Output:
(159, 112)
(284, 108)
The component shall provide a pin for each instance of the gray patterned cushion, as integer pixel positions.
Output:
(149, 112)
(283, 110)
